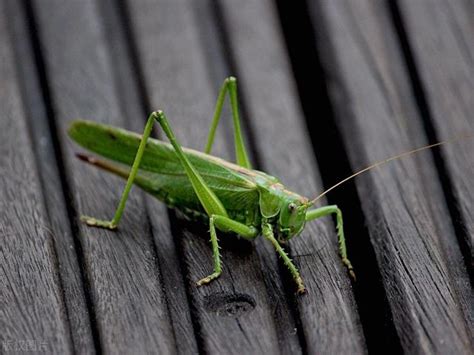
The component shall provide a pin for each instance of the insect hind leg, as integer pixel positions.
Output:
(206, 196)
(230, 86)
(112, 224)
(224, 224)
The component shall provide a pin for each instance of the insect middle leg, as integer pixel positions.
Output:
(227, 225)
(229, 85)
(112, 224)
(333, 209)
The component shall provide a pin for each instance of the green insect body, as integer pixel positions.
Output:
(247, 195)
(231, 197)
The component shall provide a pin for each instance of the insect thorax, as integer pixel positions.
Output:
(283, 209)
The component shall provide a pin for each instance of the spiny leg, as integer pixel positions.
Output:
(229, 85)
(268, 234)
(206, 196)
(333, 209)
(210, 202)
(227, 225)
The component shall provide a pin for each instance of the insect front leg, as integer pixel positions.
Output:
(230, 85)
(227, 225)
(267, 232)
(333, 209)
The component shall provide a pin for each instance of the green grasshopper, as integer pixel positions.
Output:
(231, 197)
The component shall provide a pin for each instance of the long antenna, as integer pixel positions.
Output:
(381, 162)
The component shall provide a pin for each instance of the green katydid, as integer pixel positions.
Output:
(231, 197)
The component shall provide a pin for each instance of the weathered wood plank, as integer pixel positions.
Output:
(234, 313)
(134, 277)
(127, 74)
(61, 230)
(122, 272)
(403, 202)
(328, 313)
(440, 34)
(32, 312)
(213, 35)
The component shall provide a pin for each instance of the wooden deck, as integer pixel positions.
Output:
(326, 88)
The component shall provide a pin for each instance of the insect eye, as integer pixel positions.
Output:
(292, 207)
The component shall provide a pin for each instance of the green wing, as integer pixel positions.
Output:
(161, 173)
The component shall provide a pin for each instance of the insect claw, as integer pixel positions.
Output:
(350, 268)
(301, 291)
(201, 282)
(208, 279)
(93, 222)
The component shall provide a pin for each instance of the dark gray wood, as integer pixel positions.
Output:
(328, 314)
(55, 204)
(441, 35)
(281, 297)
(123, 277)
(234, 313)
(68, 288)
(126, 75)
(32, 311)
(403, 203)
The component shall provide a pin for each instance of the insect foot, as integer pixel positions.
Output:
(350, 268)
(301, 289)
(208, 279)
(93, 222)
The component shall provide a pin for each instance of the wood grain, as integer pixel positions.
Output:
(122, 272)
(234, 313)
(440, 36)
(32, 312)
(214, 37)
(328, 314)
(397, 75)
(403, 203)
(129, 88)
(33, 87)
